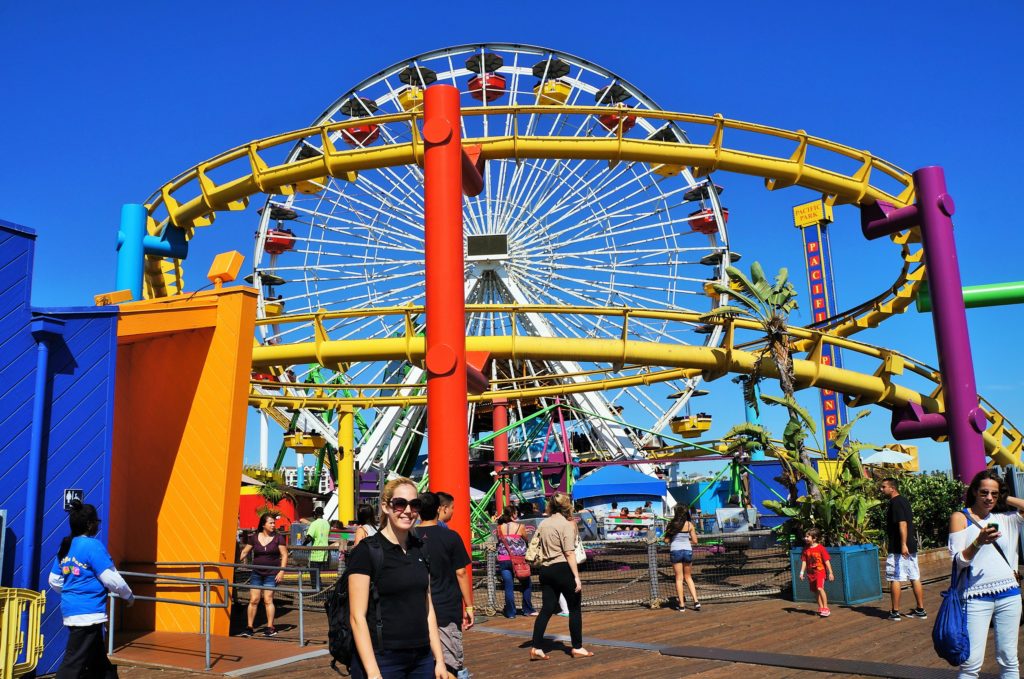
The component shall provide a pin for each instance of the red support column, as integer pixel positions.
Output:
(499, 420)
(447, 425)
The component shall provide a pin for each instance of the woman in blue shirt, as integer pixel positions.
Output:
(83, 573)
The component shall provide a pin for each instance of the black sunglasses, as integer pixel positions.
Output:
(399, 504)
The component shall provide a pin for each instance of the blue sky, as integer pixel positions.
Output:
(105, 102)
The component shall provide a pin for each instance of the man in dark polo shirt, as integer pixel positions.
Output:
(901, 564)
(449, 582)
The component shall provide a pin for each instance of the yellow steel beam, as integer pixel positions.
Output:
(189, 211)
(712, 360)
(1003, 441)
(293, 401)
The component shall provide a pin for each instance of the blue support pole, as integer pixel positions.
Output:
(44, 330)
(131, 249)
(133, 244)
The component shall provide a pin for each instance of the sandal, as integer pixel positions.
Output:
(582, 653)
(537, 654)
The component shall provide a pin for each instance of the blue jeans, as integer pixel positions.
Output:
(1005, 614)
(509, 579)
(406, 663)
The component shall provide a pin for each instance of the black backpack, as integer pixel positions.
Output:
(340, 640)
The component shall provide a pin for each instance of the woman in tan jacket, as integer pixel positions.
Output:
(559, 575)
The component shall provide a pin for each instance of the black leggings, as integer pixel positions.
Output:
(554, 580)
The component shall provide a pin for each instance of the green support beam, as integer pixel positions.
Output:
(995, 294)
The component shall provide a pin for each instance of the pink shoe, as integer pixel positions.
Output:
(824, 612)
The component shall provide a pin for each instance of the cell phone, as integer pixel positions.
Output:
(993, 526)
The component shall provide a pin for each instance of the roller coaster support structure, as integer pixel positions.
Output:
(346, 466)
(963, 420)
(133, 244)
(499, 421)
(993, 294)
(445, 174)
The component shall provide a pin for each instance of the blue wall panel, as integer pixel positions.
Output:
(17, 370)
(79, 438)
(78, 430)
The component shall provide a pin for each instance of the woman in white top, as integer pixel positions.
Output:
(682, 536)
(991, 519)
(366, 518)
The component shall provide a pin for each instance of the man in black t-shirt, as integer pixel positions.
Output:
(449, 582)
(901, 563)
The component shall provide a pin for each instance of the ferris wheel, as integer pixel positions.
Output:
(544, 231)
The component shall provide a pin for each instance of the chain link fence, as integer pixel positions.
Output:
(616, 574)
(623, 574)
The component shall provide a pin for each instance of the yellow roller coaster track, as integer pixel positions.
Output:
(842, 174)
(1003, 441)
(192, 199)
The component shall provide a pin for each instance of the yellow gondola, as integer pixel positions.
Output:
(411, 98)
(552, 93)
(691, 426)
(304, 443)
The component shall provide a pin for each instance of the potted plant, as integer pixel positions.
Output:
(842, 512)
(841, 509)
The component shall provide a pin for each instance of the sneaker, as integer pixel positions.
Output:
(681, 609)
(825, 612)
(918, 613)
(248, 632)
(894, 616)
(696, 606)
(563, 615)
(270, 632)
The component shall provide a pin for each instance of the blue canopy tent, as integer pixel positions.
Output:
(630, 491)
(617, 481)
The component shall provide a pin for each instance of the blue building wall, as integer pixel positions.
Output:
(78, 419)
(17, 372)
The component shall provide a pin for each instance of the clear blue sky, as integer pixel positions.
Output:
(105, 102)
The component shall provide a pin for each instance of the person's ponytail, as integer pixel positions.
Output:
(81, 519)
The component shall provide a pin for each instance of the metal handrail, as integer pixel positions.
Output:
(204, 603)
(314, 577)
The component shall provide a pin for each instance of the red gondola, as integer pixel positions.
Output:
(361, 135)
(490, 85)
(703, 221)
(279, 241)
(610, 122)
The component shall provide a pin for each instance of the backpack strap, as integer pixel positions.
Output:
(376, 566)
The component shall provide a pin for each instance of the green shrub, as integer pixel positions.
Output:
(933, 497)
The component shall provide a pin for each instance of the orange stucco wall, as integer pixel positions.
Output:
(183, 368)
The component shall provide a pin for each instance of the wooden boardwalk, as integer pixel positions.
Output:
(497, 647)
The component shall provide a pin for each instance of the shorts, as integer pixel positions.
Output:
(681, 555)
(267, 581)
(451, 646)
(816, 580)
(899, 568)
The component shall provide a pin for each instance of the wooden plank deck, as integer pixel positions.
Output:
(498, 647)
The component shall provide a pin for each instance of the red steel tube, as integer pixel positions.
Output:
(447, 424)
(499, 420)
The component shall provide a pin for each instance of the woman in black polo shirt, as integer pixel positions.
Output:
(409, 646)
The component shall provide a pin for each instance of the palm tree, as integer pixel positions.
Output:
(768, 303)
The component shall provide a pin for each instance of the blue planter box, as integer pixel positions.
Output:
(858, 579)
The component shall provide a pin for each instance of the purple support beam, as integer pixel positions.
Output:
(964, 419)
